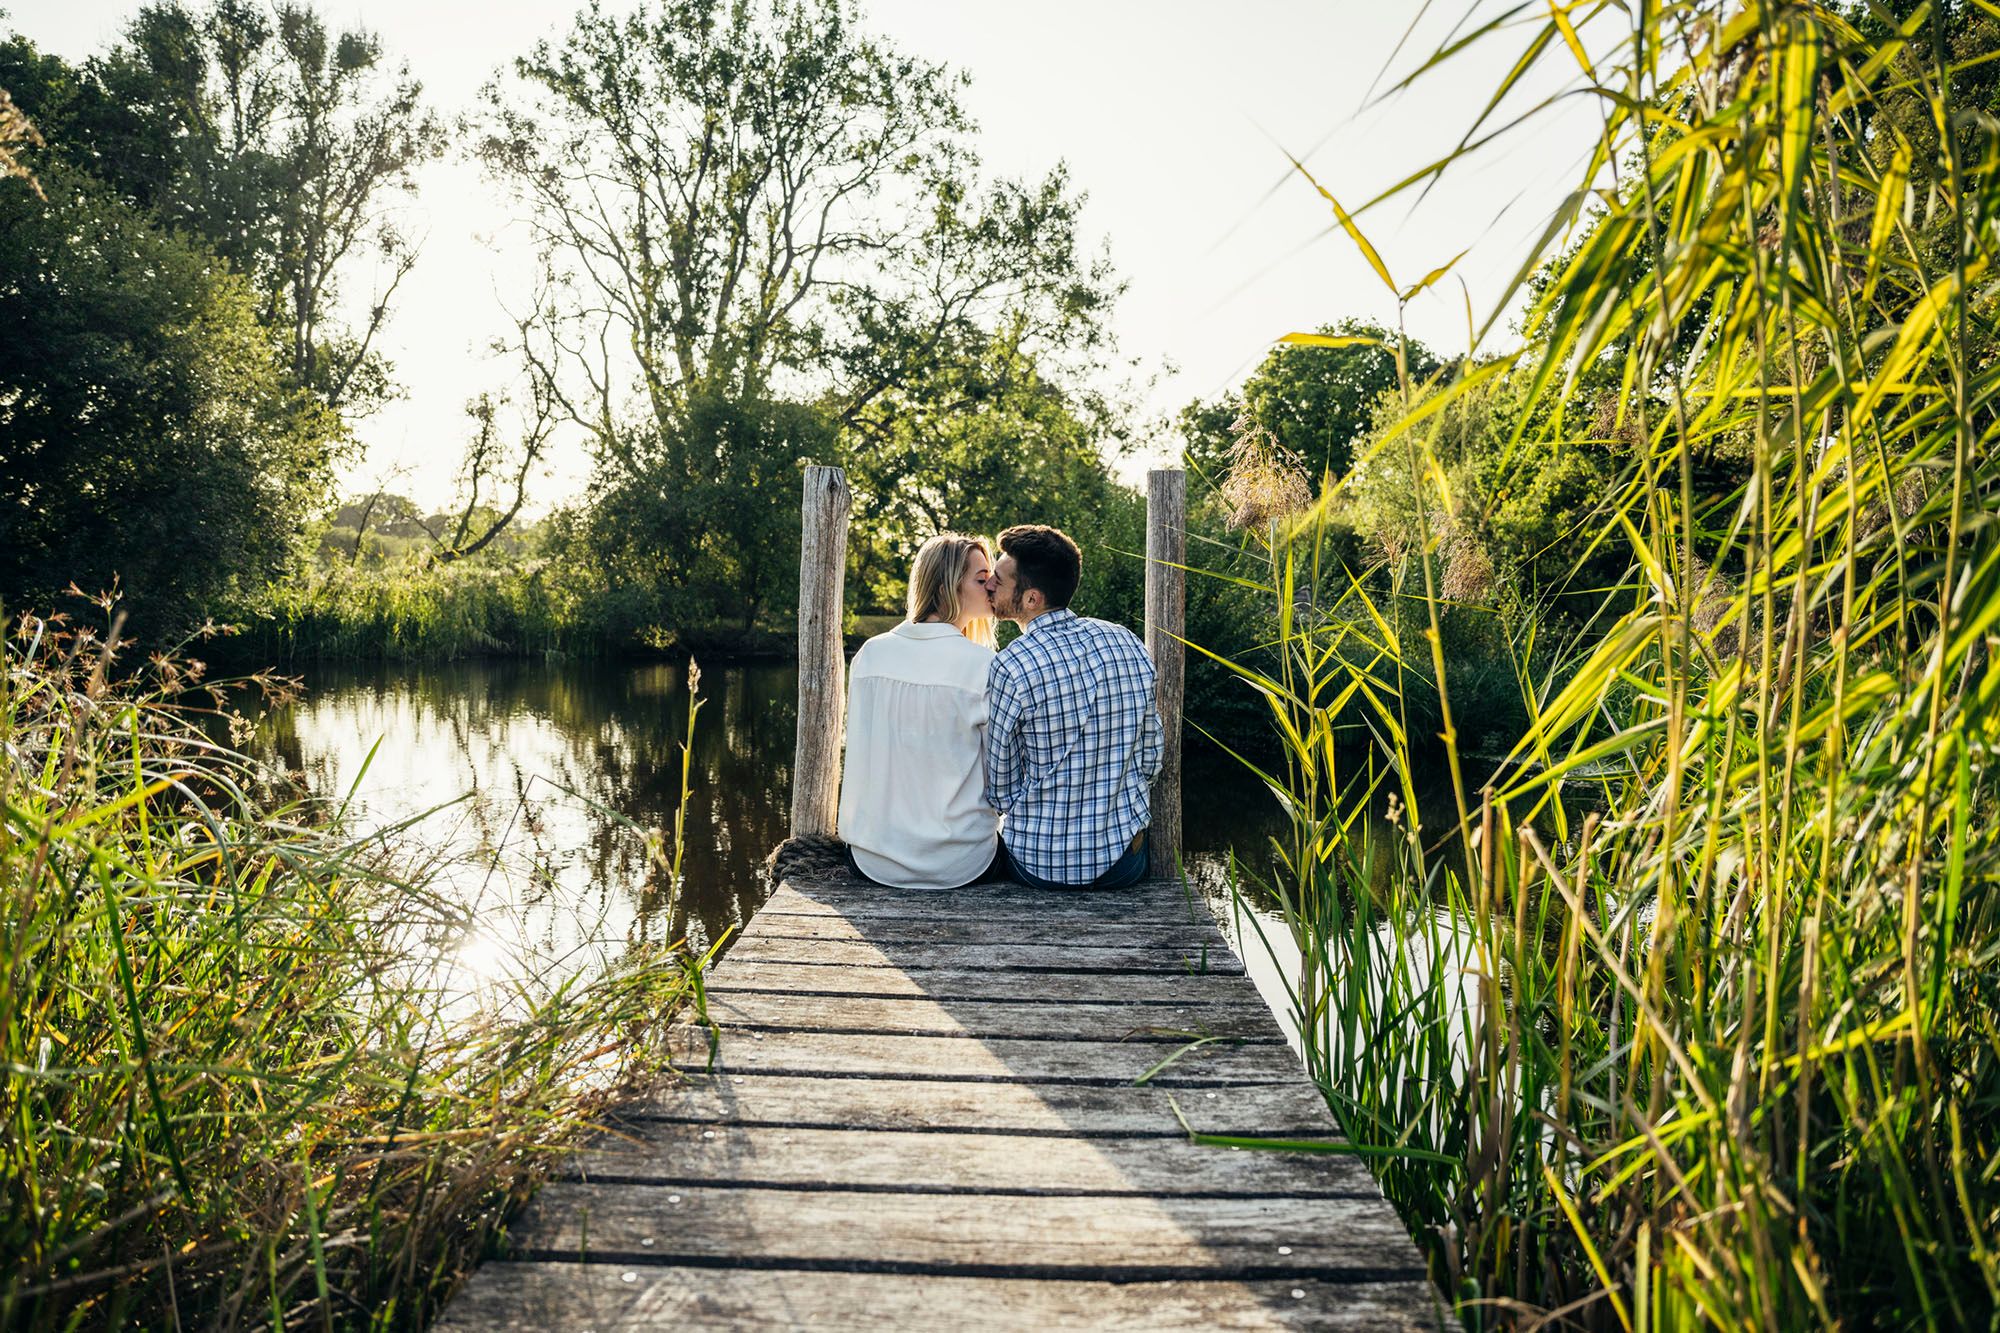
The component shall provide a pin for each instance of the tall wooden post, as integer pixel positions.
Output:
(822, 664)
(1166, 622)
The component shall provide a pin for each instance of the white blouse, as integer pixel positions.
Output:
(912, 795)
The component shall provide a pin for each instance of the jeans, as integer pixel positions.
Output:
(1126, 871)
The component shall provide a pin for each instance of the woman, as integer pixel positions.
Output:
(912, 797)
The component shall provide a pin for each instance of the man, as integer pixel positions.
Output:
(1073, 737)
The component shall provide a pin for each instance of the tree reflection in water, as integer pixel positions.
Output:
(564, 770)
(543, 782)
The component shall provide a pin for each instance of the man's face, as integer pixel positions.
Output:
(1010, 600)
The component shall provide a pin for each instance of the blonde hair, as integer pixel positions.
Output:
(934, 579)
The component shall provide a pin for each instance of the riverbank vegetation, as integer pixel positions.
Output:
(1685, 1018)
(247, 1081)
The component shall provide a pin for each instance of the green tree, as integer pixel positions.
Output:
(277, 142)
(1315, 401)
(759, 204)
(148, 433)
(978, 442)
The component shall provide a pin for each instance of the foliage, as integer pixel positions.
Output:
(267, 139)
(237, 1090)
(788, 255)
(1316, 402)
(1702, 1033)
(147, 433)
(419, 611)
(982, 442)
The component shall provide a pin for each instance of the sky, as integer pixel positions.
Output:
(1174, 116)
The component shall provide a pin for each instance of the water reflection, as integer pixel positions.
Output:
(535, 791)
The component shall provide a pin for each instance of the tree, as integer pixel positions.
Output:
(148, 434)
(754, 203)
(488, 458)
(981, 441)
(1315, 401)
(274, 141)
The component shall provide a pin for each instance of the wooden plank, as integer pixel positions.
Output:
(1003, 903)
(1152, 901)
(915, 1162)
(1084, 1236)
(1187, 937)
(1003, 1060)
(1062, 988)
(1288, 1109)
(535, 1297)
(1191, 961)
(987, 1018)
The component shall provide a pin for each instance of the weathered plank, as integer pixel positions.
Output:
(533, 1298)
(1193, 960)
(1077, 934)
(988, 902)
(1106, 1063)
(1291, 1109)
(914, 1016)
(926, 1113)
(1065, 988)
(916, 1162)
(1088, 1236)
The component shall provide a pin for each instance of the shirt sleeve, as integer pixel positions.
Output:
(1004, 706)
(1152, 738)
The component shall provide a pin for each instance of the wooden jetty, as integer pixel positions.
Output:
(968, 1110)
(975, 1109)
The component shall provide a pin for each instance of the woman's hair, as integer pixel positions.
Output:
(934, 580)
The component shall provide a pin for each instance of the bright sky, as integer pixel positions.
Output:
(1174, 116)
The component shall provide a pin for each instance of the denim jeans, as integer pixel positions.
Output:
(1126, 871)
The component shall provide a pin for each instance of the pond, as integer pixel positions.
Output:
(531, 792)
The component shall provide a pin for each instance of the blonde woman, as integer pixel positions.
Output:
(912, 804)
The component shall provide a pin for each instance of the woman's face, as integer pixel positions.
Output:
(975, 598)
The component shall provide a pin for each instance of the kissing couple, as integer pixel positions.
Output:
(1034, 763)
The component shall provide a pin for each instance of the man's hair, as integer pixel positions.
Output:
(1046, 560)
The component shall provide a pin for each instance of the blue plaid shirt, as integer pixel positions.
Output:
(1073, 743)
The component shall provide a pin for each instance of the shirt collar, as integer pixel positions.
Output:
(927, 629)
(1048, 618)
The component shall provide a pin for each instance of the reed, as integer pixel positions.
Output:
(238, 1084)
(1686, 1020)
(418, 612)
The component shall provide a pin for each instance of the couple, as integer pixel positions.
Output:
(1034, 763)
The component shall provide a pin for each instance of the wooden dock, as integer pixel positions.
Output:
(968, 1110)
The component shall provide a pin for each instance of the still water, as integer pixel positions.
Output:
(540, 798)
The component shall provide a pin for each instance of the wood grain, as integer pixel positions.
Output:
(1166, 617)
(1069, 988)
(822, 663)
(1004, 1060)
(922, 1162)
(1290, 1109)
(1195, 958)
(1090, 1236)
(608, 1298)
(911, 1016)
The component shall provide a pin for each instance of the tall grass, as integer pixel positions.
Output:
(235, 1089)
(418, 612)
(1709, 1038)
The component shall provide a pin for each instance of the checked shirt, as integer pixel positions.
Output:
(1073, 743)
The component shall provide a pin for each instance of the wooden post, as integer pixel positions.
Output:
(1166, 621)
(822, 664)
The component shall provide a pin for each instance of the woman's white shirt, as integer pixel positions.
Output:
(912, 795)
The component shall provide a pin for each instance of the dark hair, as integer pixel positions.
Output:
(1046, 560)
